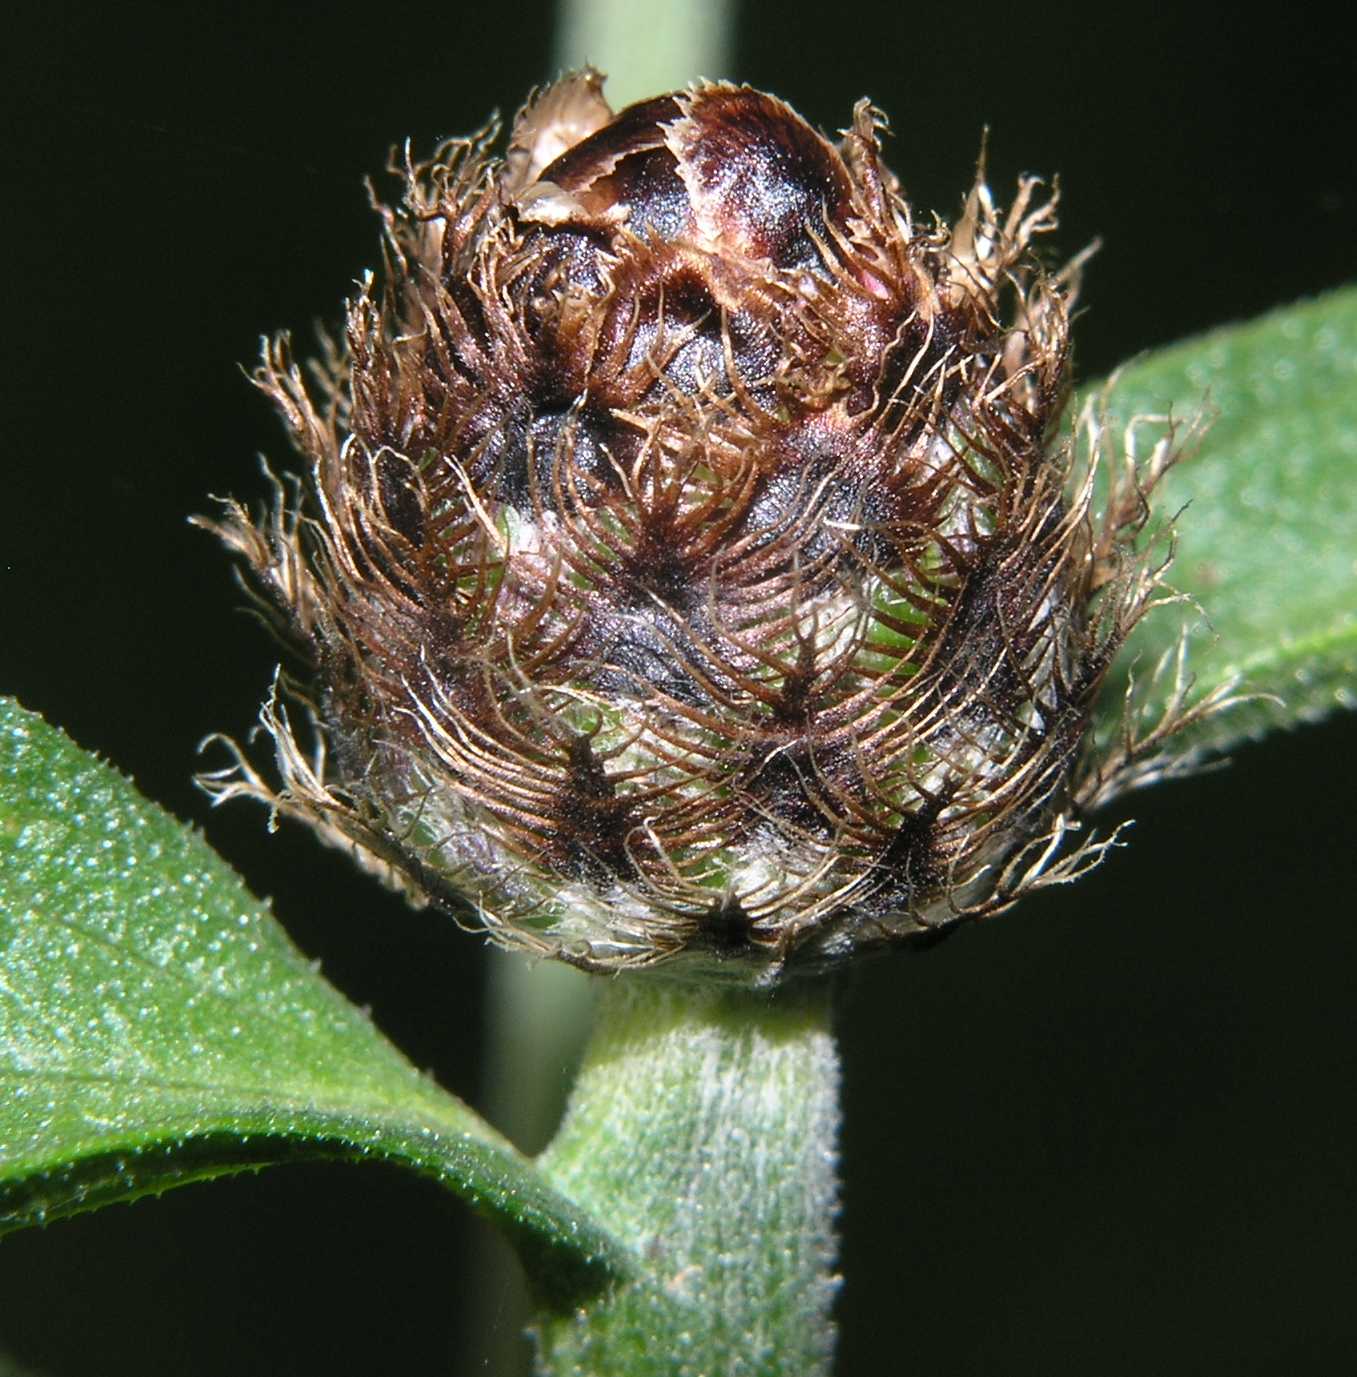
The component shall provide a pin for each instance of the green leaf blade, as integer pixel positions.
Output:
(157, 1026)
(1266, 543)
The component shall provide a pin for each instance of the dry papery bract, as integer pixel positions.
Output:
(691, 570)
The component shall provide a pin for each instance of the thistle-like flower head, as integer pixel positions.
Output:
(689, 568)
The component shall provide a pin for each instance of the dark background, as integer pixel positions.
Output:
(1111, 1133)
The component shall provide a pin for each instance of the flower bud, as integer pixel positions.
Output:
(688, 570)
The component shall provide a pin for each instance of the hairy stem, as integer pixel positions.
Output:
(702, 1130)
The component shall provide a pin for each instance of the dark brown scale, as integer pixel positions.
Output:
(760, 180)
(560, 446)
(755, 350)
(680, 318)
(918, 355)
(806, 506)
(911, 864)
(519, 448)
(981, 655)
(975, 673)
(442, 635)
(803, 780)
(472, 318)
(633, 131)
(647, 648)
(726, 929)
(592, 821)
(784, 789)
(399, 491)
(657, 201)
(657, 571)
(569, 255)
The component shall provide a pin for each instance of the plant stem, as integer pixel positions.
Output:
(702, 1132)
(538, 1019)
(646, 49)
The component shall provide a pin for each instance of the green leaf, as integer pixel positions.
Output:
(1266, 543)
(157, 1027)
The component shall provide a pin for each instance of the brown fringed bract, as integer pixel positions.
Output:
(690, 570)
